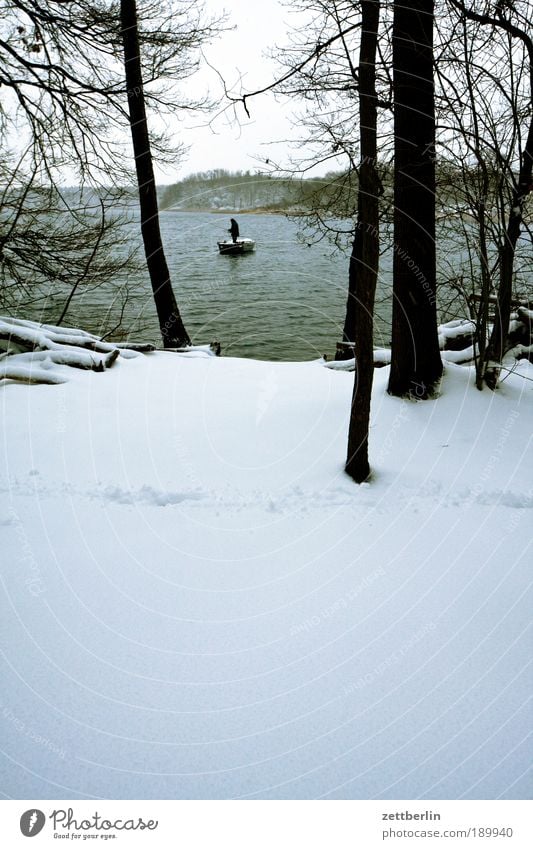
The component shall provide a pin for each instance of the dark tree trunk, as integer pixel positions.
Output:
(172, 328)
(365, 251)
(416, 363)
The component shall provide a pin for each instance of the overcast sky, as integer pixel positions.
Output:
(259, 26)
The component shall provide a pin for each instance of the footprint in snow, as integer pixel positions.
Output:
(149, 495)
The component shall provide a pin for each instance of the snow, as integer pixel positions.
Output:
(465, 355)
(53, 328)
(200, 604)
(382, 356)
(456, 328)
(29, 372)
(48, 336)
(28, 351)
(340, 365)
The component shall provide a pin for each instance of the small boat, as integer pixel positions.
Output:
(241, 246)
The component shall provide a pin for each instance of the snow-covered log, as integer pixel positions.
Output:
(28, 373)
(54, 328)
(382, 357)
(41, 339)
(524, 314)
(139, 347)
(521, 328)
(77, 358)
(521, 352)
(460, 357)
(456, 335)
(340, 365)
(456, 342)
(29, 351)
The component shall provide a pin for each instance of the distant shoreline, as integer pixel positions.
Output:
(256, 211)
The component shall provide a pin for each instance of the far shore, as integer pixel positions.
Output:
(257, 211)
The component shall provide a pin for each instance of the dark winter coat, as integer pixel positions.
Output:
(234, 229)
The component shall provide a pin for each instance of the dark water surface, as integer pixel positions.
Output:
(285, 301)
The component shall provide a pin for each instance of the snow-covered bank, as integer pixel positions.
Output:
(199, 603)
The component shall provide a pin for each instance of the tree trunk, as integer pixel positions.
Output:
(416, 363)
(365, 251)
(172, 328)
(482, 317)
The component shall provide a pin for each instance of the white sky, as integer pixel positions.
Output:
(259, 26)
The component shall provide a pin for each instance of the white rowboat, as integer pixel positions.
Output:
(241, 246)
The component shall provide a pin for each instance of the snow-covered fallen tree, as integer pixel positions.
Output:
(456, 335)
(457, 338)
(29, 351)
(456, 342)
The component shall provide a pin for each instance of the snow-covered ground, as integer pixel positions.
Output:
(200, 604)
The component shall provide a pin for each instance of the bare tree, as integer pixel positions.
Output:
(338, 68)
(170, 321)
(523, 184)
(56, 243)
(486, 88)
(365, 252)
(65, 95)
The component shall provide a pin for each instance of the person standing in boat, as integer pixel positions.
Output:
(234, 230)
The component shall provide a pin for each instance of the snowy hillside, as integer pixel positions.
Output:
(200, 604)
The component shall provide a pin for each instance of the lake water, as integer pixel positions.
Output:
(285, 301)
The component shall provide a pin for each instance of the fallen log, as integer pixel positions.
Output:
(29, 374)
(31, 339)
(29, 351)
(139, 347)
